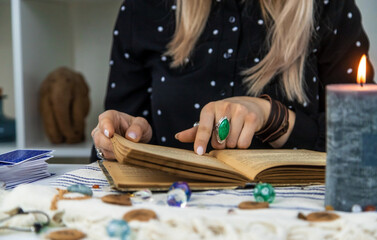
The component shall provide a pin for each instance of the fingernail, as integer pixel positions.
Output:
(106, 132)
(132, 135)
(199, 150)
(176, 136)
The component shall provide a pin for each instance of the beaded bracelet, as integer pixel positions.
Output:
(277, 123)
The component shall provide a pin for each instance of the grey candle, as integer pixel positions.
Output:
(351, 171)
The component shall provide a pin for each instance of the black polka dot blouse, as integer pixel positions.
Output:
(141, 83)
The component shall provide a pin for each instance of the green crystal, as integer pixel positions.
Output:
(223, 129)
(264, 192)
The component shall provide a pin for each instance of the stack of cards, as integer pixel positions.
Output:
(23, 166)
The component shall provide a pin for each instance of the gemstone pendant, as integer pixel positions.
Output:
(264, 192)
(177, 198)
(142, 195)
(80, 188)
(118, 228)
(182, 185)
(223, 127)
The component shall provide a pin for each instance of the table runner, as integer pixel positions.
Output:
(310, 198)
(206, 216)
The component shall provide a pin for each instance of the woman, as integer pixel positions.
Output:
(173, 64)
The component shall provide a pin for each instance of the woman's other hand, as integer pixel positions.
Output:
(136, 129)
(246, 115)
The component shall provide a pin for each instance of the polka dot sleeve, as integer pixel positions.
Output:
(129, 86)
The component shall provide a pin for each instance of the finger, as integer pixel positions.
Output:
(222, 110)
(112, 121)
(94, 131)
(204, 132)
(238, 118)
(104, 144)
(108, 155)
(188, 135)
(214, 143)
(248, 131)
(106, 122)
(139, 130)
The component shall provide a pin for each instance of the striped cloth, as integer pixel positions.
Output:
(309, 198)
(206, 215)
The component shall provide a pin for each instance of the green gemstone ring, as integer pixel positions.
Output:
(222, 129)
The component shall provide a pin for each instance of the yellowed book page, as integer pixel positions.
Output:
(173, 164)
(294, 171)
(251, 162)
(128, 177)
(183, 173)
(123, 173)
(189, 171)
(124, 148)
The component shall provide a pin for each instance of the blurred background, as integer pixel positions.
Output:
(37, 36)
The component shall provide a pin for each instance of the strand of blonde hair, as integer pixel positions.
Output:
(190, 23)
(289, 30)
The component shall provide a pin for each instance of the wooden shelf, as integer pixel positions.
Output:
(39, 36)
(65, 150)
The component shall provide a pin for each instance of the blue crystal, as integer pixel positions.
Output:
(79, 188)
(177, 198)
(118, 228)
(184, 186)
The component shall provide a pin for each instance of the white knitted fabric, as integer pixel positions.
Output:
(205, 217)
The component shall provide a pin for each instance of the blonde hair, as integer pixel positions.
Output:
(289, 31)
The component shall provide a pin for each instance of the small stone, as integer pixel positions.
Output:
(14, 211)
(177, 198)
(184, 186)
(119, 199)
(223, 129)
(118, 228)
(253, 205)
(301, 216)
(142, 215)
(95, 186)
(329, 208)
(66, 234)
(369, 208)
(231, 211)
(80, 188)
(356, 208)
(142, 195)
(264, 192)
(321, 217)
(37, 227)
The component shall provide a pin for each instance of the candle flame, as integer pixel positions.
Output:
(361, 72)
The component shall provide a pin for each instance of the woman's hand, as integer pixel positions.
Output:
(246, 115)
(136, 129)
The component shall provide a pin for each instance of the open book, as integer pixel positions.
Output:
(141, 165)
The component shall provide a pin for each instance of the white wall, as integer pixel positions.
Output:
(6, 59)
(82, 33)
(368, 10)
(92, 44)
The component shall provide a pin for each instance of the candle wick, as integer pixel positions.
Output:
(362, 84)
